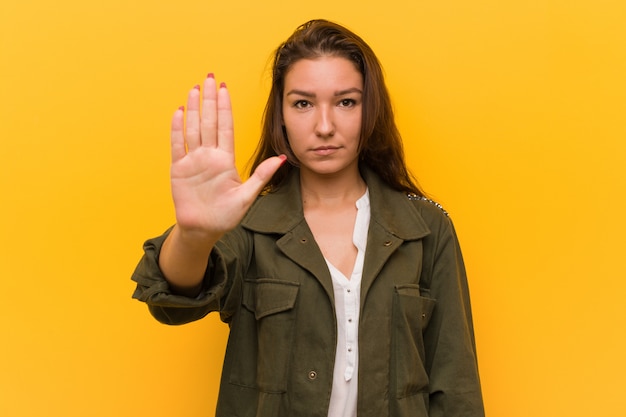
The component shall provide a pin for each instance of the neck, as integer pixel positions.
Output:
(331, 190)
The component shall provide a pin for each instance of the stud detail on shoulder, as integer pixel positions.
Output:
(415, 197)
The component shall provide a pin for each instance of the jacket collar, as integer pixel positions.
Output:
(394, 219)
(281, 211)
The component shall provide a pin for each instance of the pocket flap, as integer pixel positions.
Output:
(269, 296)
(417, 304)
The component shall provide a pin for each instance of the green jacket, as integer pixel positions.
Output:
(269, 281)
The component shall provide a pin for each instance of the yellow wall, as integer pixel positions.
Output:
(514, 118)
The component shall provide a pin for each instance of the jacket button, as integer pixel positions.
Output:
(312, 375)
(387, 243)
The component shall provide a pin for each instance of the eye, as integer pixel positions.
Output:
(347, 102)
(302, 104)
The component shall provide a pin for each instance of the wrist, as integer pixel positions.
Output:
(195, 238)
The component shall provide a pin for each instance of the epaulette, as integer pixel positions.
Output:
(415, 197)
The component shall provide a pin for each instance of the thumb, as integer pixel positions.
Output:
(262, 174)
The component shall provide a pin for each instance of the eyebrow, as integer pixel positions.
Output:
(337, 93)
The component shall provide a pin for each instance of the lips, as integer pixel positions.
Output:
(325, 150)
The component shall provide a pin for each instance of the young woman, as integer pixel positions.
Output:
(343, 286)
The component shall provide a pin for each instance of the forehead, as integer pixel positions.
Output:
(325, 71)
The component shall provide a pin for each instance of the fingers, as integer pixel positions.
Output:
(192, 131)
(208, 122)
(208, 125)
(225, 130)
(177, 136)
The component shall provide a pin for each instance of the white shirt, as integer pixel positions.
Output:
(343, 398)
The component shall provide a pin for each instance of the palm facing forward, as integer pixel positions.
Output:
(209, 195)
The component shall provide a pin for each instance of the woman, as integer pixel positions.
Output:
(343, 286)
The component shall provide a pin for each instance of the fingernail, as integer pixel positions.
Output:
(197, 87)
(210, 75)
(283, 158)
(222, 85)
(182, 108)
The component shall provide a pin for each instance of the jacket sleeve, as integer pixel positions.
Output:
(449, 342)
(219, 284)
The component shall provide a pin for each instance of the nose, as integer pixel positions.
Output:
(325, 126)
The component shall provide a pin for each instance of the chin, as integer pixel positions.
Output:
(330, 168)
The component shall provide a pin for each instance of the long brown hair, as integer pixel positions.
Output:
(381, 144)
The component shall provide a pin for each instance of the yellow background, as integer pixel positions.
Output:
(513, 114)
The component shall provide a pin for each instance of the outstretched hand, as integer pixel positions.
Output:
(209, 195)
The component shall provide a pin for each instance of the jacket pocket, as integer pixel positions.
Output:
(411, 314)
(271, 304)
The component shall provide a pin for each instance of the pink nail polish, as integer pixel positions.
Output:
(222, 85)
(197, 87)
(210, 75)
(182, 108)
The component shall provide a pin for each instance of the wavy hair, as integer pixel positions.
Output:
(380, 146)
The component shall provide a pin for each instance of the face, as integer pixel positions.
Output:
(322, 104)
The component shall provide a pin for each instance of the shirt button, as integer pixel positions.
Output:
(349, 349)
(312, 375)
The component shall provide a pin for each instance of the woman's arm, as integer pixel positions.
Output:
(209, 196)
(449, 342)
